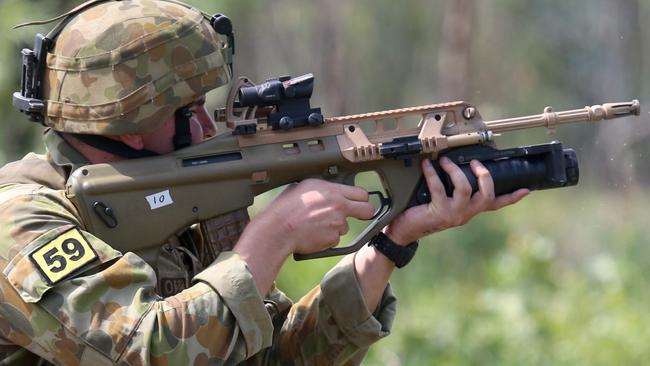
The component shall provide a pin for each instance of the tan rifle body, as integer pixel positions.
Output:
(138, 204)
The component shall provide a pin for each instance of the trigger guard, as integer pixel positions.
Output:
(383, 200)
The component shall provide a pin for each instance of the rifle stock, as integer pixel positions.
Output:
(138, 204)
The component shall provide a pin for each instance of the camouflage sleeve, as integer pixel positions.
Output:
(105, 310)
(332, 325)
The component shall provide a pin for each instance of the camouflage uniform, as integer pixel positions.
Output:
(126, 308)
(111, 312)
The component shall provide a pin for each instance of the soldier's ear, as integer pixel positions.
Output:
(134, 141)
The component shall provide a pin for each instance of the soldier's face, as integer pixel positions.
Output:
(201, 127)
(201, 116)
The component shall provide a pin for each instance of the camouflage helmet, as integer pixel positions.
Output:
(120, 67)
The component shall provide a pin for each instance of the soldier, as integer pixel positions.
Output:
(127, 79)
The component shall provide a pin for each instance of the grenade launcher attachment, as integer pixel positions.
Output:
(278, 138)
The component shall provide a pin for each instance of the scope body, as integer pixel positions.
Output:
(289, 98)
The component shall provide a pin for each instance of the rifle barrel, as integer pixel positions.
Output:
(550, 119)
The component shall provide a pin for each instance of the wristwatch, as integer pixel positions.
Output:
(400, 255)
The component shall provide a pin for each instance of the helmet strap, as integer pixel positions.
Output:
(113, 146)
(183, 134)
(182, 138)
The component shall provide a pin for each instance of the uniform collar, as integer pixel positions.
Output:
(61, 153)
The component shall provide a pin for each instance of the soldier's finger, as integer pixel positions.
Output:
(462, 188)
(436, 189)
(344, 228)
(360, 210)
(353, 192)
(484, 178)
(509, 199)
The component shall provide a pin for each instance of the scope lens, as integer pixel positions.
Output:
(248, 96)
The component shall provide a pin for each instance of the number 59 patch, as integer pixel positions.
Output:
(63, 255)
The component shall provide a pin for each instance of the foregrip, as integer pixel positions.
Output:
(534, 167)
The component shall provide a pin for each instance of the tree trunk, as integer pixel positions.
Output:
(454, 54)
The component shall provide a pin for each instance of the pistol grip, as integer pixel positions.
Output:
(400, 182)
(371, 230)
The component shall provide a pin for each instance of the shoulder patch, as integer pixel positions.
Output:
(63, 256)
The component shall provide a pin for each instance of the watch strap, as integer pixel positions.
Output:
(398, 254)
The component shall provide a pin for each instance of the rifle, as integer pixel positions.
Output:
(278, 138)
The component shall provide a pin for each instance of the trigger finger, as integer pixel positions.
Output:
(353, 192)
(360, 210)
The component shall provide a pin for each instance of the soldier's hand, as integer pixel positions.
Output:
(311, 215)
(445, 212)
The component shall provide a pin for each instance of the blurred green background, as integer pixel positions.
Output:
(561, 278)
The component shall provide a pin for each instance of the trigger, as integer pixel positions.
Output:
(383, 201)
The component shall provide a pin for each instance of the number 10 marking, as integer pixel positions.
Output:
(160, 199)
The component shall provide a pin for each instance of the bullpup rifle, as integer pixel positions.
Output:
(278, 138)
